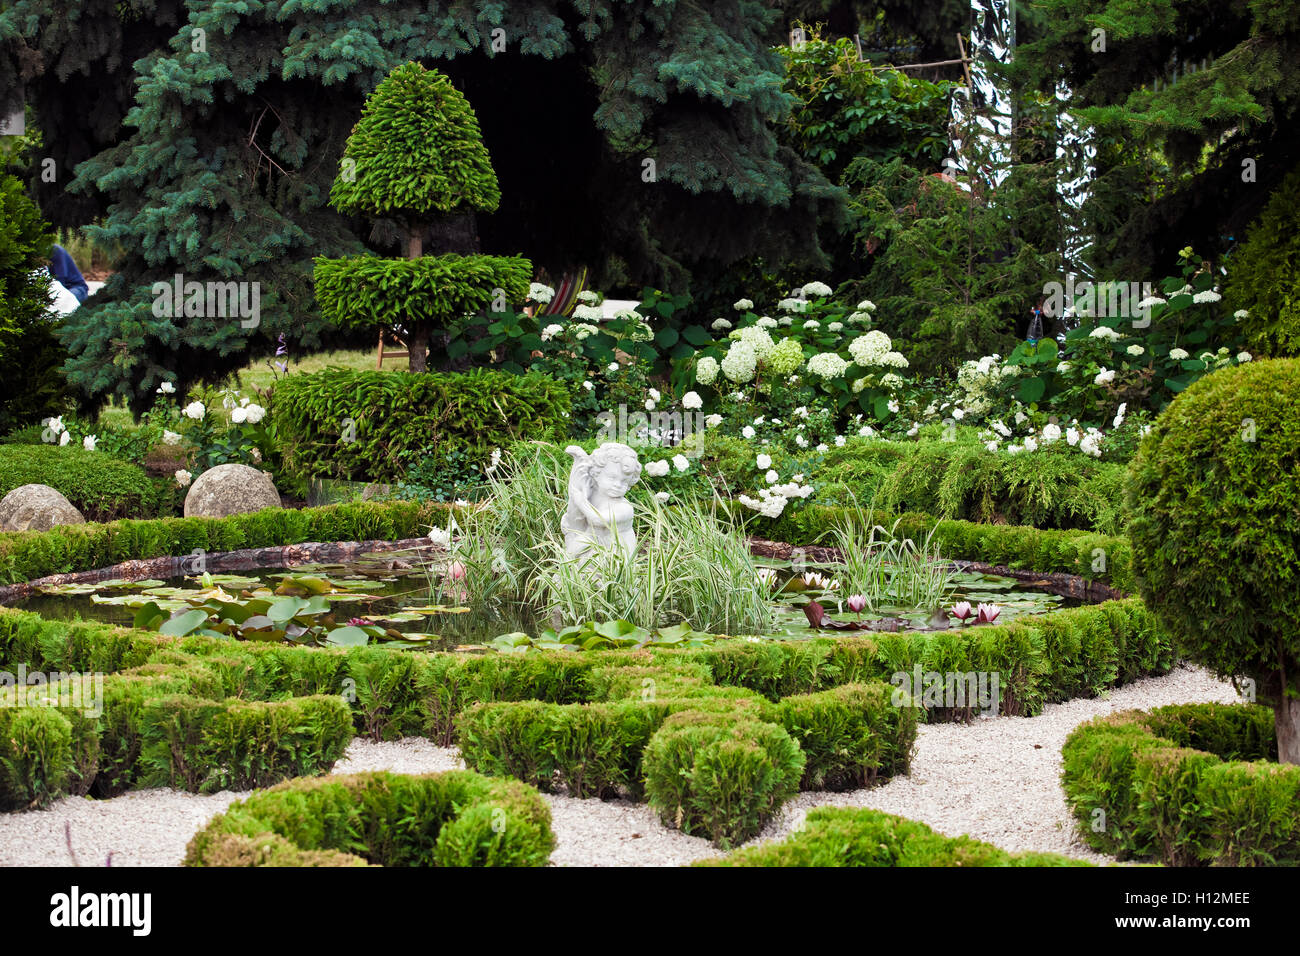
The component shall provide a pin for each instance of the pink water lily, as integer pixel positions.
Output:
(456, 571)
(962, 610)
(856, 603)
(988, 613)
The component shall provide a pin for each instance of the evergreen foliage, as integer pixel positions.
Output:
(1262, 275)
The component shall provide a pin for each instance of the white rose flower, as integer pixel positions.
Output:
(1051, 433)
(763, 462)
(1104, 376)
(237, 415)
(1031, 443)
(991, 445)
(65, 438)
(713, 421)
(649, 404)
(748, 431)
(89, 442)
(588, 384)
(182, 477)
(692, 401)
(613, 367)
(801, 441)
(656, 469)
(771, 477)
(839, 441)
(681, 462)
(1072, 436)
(166, 388)
(194, 410)
(171, 438)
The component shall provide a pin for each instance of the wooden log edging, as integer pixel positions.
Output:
(246, 559)
(1066, 585)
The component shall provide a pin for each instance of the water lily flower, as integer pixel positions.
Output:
(857, 603)
(961, 610)
(456, 571)
(768, 576)
(988, 613)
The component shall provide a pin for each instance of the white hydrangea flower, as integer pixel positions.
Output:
(1150, 301)
(662, 496)
(739, 363)
(892, 405)
(771, 477)
(866, 431)
(766, 322)
(1209, 295)
(792, 305)
(742, 305)
(720, 325)
(1244, 356)
(822, 449)
(1072, 436)
(870, 349)
(1104, 376)
(692, 401)
(551, 331)
(866, 305)
(1104, 332)
(1062, 367)
(588, 297)
(991, 445)
(1177, 354)
(1241, 314)
(541, 294)
(816, 289)
(1135, 350)
(237, 416)
(171, 438)
(827, 365)
(812, 325)
(706, 370)
(656, 469)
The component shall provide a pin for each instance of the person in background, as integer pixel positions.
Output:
(66, 271)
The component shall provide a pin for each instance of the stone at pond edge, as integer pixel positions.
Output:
(36, 508)
(230, 490)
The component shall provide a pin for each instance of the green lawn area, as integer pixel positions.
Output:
(259, 375)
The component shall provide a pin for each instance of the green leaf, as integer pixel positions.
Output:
(347, 637)
(666, 337)
(286, 609)
(1031, 389)
(149, 617)
(696, 335)
(182, 624)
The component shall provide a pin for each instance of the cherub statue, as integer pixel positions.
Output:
(598, 512)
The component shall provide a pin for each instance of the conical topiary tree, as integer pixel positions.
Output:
(416, 157)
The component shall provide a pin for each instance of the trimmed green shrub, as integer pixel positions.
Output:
(400, 414)
(457, 818)
(100, 487)
(417, 157)
(1140, 789)
(850, 735)
(1215, 493)
(1262, 277)
(35, 756)
(834, 836)
(715, 775)
(32, 554)
(204, 746)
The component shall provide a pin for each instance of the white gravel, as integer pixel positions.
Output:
(997, 780)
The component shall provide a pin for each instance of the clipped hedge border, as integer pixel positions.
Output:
(28, 555)
(837, 836)
(457, 818)
(1189, 785)
(394, 694)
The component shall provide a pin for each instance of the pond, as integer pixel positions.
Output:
(386, 598)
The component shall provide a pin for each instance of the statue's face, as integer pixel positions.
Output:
(613, 483)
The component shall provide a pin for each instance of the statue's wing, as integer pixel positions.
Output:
(577, 453)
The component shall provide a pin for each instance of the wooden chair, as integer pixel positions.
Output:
(391, 352)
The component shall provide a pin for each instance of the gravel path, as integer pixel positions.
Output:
(996, 780)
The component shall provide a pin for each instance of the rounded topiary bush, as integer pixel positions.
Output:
(710, 774)
(101, 487)
(458, 818)
(1214, 497)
